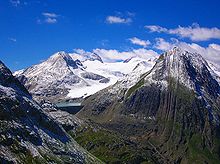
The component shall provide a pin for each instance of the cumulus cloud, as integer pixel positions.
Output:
(139, 42)
(118, 20)
(155, 28)
(193, 32)
(115, 55)
(163, 45)
(49, 18)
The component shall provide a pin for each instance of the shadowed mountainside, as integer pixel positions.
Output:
(174, 108)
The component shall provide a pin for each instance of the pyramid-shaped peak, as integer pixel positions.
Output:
(60, 59)
(176, 51)
(60, 54)
(179, 55)
(189, 69)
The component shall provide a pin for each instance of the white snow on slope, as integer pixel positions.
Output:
(114, 72)
(81, 74)
(215, 70)
(214, 67)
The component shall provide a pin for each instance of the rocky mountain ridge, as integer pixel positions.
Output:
(174, 108)
(27, 133)
(66, 75)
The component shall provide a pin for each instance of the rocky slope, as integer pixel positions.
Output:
(173, 109)
(65, 75)
(27, 134)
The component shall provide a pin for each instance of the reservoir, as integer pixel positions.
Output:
(69, 107)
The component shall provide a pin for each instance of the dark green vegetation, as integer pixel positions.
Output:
(135, 87)
(173, 111)
(173, 125)
(110, 146)
(171, 115)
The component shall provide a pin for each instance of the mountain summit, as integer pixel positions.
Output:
(188, 69)
(61, 59)
(53, 78)
(173, 108)
(27, 133)
(64, 75)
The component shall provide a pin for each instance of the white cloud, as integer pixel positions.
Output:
(155, 28)
(79, 51)
(139, 42)
(112, 55)
(50, 18)
(118, 20)
(50, 15)
(163, 45)
(193, 32)
(115, 55)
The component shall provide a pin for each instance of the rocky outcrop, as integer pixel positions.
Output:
(67, 76)
(54, 78)
(27, 133)
(173, 108)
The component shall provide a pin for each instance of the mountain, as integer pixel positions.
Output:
(68, 76)
(216, 69)
(173, 110)
(27, 133)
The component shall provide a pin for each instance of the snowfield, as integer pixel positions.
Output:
(79, 75)
(71, 75)
(113, 71)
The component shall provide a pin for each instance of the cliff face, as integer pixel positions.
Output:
(27, 134)
(173, 108)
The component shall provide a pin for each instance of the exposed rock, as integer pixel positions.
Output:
(27, 133)
(173, 108)
(92, 76)
(78, 75)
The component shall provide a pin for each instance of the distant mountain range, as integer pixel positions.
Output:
(68, 76)
(159, 110)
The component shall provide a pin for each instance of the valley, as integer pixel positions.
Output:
(163, 111)
(109, 82)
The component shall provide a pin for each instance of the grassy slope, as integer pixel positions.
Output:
(110, 147)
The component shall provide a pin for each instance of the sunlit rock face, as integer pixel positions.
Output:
(27, 133)
(174, 107)
(70, 76)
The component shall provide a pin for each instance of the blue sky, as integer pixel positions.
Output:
(32, 30)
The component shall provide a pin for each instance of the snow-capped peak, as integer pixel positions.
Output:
(189, 69)
(59, 54)
(77, 74)
(61, 58)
